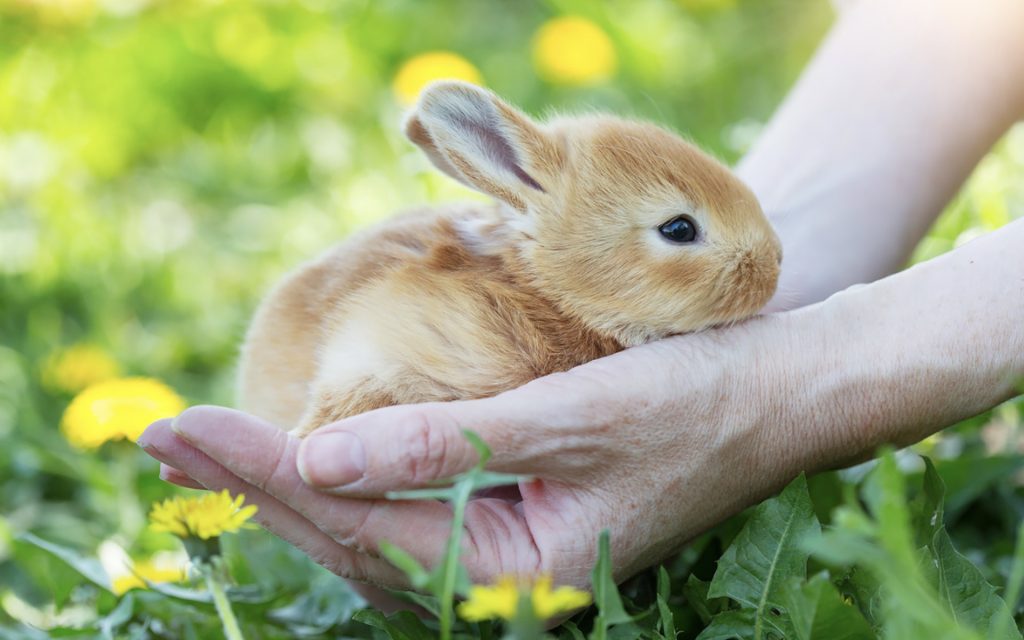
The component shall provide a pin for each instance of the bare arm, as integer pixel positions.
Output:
(897, 360)
(893, 113)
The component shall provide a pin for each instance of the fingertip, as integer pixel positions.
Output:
(152, 432)
(197, 420)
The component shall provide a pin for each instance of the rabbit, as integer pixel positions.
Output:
(604, 234)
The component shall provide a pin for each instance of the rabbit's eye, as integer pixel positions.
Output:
(681, 229)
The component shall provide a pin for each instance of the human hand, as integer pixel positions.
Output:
(656, 444)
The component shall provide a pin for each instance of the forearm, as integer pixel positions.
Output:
(899, 104)
(896, 360)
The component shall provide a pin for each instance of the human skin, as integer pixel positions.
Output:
(660, 442)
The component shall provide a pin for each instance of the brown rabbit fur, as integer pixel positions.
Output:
(466, 302)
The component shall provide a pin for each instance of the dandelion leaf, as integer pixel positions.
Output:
(971, 599)
(735, 624)
(767, 553)
(818, 612)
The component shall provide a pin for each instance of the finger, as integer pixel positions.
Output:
(172, 475)
(264, 456)
(409, 446)
(161, 443)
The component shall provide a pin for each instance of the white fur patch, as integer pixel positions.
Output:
(353, 353)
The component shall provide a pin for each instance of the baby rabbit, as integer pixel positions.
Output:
(605, 234)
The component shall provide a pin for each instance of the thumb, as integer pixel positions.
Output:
(408, 446)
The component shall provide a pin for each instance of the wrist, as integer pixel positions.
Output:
(894, 361)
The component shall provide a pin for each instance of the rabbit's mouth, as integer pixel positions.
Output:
(748, 285)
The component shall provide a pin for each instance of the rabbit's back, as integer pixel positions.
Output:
(427, 307)
(280, 355)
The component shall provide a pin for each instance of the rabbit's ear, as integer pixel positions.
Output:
(471, 135)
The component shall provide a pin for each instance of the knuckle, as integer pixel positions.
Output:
(428, 447)
(278, 469)
(497, 542)
(354, 533)
(346, 566)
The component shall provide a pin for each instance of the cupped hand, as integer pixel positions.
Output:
(656, 444)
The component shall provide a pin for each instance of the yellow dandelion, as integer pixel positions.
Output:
(116, 409)
(421, 70)
(574, 51)
(497, 601)
(147, 571)
(79, 366)
(548, 602)
(501, 599)
(207, 516)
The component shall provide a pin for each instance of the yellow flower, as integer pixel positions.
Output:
(118, 408)
(147, 571)
(548, 603)
(502, 599)
(574, 51)
(498, 601)
(79, 366)
(205, 517)
(421, 70)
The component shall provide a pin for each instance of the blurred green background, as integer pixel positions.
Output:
(162, 163)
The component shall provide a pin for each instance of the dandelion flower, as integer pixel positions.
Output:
(548, 602)
(502, 599)
(421, 70)
(79, 366)
(147, 571)
(573, 51)
(207, 516)
(497, 601)
(116, 409)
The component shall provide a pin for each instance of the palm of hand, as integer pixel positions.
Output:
(644, 443)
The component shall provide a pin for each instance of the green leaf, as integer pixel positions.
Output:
(250, 594)
(927, 507)
(121, 614)
(1016, 580)
(884, 545)
(972, 601)
(481, 447)
(766, 554)
(863, 586)
(969, 477)
(419, 578)
(735, 624)
(818, 612)
(886, 495)
(22, 632)
(56, 568)
(606, 592)
(326, 602)
(570, 630)
(403, 625)
(696, 593)
(668, 623)
(481, 480)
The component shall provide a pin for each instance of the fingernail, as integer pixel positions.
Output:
(148, 447)
(333, 459)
